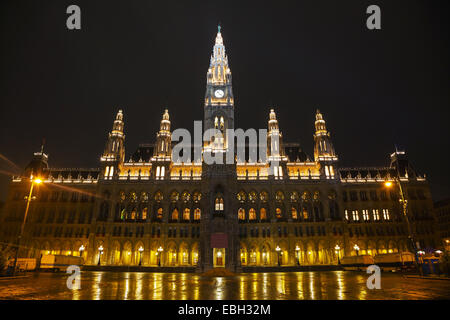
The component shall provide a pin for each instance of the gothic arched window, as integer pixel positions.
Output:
(294, 213)
(241, 196)
(197, 214)
(279, 196)
(158, 196)
(278, 213)
(252, 214)
(186, 214)
(241, 214)
(174, 196)
(219, 204)
(264, 196)
(263, 214)
(159, 213)
(144, 213)
(174, 214)
(185, 196)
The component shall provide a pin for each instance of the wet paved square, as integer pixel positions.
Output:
(334, 285)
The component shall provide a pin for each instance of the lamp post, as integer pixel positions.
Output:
(404, 203)
(28, 198)
(81, 250)
(140, 255)
(297, 249)
(356, 247)
(337, 249)
(278, 249)
(159, 253)
(100, 252)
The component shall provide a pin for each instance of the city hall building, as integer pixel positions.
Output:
(150, 210)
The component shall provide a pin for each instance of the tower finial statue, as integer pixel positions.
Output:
(218, 28)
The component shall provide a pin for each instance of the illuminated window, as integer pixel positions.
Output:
(327, 172)
(187, 214)
(305, 213)
(175, 214)
(294, 196)
(376, 215)
(162, 173)
(346, 214)
(241, 214)
(219, 204)
(144, 213)
(158, 196)
(365, 215)
(264, 196)
(279, 196)
(197, 196)
(174, 196)
(278, 213)
(186, 196)
(294, 213)
(386, 214)
(159, 213)
(355, 215)
(197, 214)
(107, 171)
(252, 214)
(241, 196)
(263, 214)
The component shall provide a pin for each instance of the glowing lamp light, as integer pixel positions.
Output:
(141, 249)
(278, 249)
(37, 181)
(388, 184)
(438, 251)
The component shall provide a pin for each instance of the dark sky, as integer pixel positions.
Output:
(375, 88)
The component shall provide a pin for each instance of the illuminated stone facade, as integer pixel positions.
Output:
(221, 215)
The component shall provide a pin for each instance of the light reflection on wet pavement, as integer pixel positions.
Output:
(334, 285)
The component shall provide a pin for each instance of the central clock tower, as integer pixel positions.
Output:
(219, 101)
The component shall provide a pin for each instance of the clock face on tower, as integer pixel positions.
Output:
(219, 93)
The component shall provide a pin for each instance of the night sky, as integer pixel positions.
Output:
(375, 88)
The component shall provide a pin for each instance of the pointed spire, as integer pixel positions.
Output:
(42, 145)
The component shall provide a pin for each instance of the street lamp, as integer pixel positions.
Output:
(337, 249)
(356, 247)
(28, 198)
(159, 253)
(100, 252)
(278, 249)
(297, 249)
(404, 203)
(81, 249)
(140, 255)
(438, 252)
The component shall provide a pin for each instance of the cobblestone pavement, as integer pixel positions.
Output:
(333, 285)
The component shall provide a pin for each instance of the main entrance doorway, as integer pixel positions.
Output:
(219, 257)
